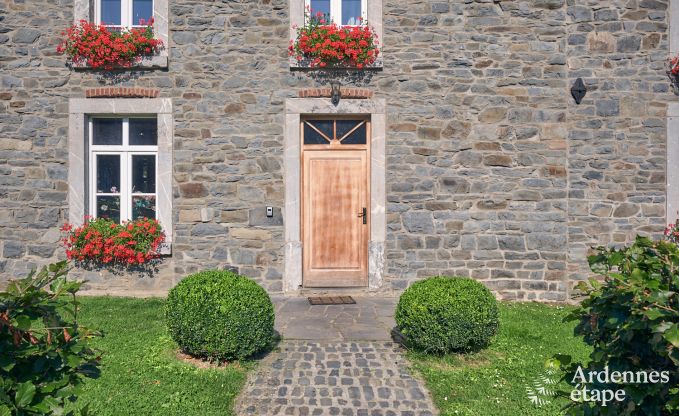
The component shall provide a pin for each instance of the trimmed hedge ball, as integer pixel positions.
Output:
(446, 314)
(220, 315)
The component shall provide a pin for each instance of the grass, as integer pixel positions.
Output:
(493, 381)
(140, 372)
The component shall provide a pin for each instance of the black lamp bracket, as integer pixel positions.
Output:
(335, 93)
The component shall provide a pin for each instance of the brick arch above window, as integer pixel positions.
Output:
(85, 10)
(373, 15)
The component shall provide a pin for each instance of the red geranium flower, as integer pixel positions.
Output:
(103, 241)
(96, 46)
(329, 45)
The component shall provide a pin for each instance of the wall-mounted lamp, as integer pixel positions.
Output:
(578, 90)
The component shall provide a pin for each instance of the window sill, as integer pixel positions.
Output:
(295, 65)
(147, 62)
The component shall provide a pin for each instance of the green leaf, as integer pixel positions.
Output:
(594, 283)
(24, 394)
(22, 322)
(654, 314)
(672, 335)
(662, 327)
(582, 287)
(4, 411)
(6, 362)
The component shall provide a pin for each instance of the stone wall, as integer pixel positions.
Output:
(492, 170)
(617, 136)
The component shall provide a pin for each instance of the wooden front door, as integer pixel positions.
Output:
(335, 202)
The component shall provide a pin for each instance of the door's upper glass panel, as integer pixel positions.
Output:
(356, 135)
(312, 136)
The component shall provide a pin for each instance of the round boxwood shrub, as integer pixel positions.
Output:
(220, 315)
(445, 314)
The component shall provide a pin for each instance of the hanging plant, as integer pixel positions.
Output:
(98, 47)
(673, 73)
(321, 43)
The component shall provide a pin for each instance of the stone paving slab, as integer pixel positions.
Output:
(371, 319)
(361, 378)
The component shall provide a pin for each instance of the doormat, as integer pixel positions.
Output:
(331, 300)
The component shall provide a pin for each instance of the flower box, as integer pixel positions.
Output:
(88, 45)
(322, 44)
(101, 242)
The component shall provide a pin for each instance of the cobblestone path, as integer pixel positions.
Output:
(347, 378)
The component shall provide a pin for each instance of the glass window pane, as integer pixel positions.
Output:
(311, 136)
(107, 131)
(322, 6)
(110, 12)
(143, 132)
(144, 174)
(108, 174)
(324, 126)
(108, 207)
(345, 126)
(351, 12)
(358, 136)
(143, 206)
(142, 11)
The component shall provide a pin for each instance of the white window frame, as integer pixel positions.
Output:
(80, 109)
(373, 14)
(89, 10)
(336, 10)
(125, 151)
(126, 10)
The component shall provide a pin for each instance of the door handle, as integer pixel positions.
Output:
(364, 214)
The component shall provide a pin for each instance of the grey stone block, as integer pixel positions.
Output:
(26, 35)
(13, 249)
(418, 222)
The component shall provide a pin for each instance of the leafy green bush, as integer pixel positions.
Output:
(631, 320)
(43, 357)
(444, 314)
(220, 315)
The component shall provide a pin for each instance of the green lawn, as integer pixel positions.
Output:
(493, 381)
(140, 373)
(142, 376)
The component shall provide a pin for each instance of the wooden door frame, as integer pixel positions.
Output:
(336, 147)
(295, 108)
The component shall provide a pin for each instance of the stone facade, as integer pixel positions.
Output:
(492, 170)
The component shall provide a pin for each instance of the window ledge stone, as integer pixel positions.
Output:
(296, 66)
(147, 62)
